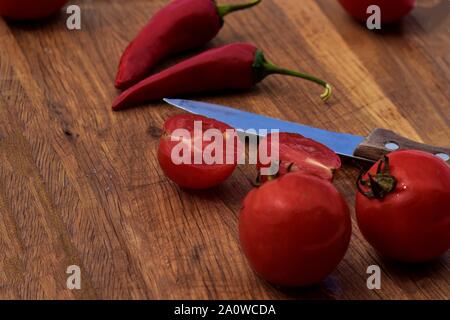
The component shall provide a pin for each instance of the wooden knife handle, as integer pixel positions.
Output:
(382, 141)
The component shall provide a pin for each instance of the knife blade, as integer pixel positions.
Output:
(371, 148)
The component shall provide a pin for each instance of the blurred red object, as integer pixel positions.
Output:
(29, 9)
(391, 10)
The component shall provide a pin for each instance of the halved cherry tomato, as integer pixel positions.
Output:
(294, 230)
(203, 174)
(297, 153)
(403, 210)
(29, 9)
(391, 10)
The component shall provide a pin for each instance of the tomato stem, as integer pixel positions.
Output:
(379, 185)
(225, 9)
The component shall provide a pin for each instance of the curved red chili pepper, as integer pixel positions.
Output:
(180, 26)
(234, 66)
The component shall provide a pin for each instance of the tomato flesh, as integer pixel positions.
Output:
(191, 175)
(412, 223)
(294, 230)
(297, 153)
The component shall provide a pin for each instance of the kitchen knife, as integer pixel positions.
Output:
(371, 148)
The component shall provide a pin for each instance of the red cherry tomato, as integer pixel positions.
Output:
(297, 153)
(405, 213)
(294, 230)
(196, 175)
(391, 10)
(29, 9)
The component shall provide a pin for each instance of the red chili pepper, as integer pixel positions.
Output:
(235, 66)
(180, 26)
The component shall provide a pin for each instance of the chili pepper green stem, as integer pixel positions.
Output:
(273, 69)
(225, 9)
(265, 68)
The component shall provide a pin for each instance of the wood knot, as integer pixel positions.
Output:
(68, 133)
(154, 131)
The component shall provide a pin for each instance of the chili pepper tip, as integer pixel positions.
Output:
(326, 95)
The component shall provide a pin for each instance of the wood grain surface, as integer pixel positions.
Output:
(81, 185)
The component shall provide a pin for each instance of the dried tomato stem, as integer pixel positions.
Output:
(379, 185)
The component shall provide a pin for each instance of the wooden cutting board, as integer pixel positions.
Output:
(80, 185)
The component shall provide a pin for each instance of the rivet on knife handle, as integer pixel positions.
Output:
(382, 141)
